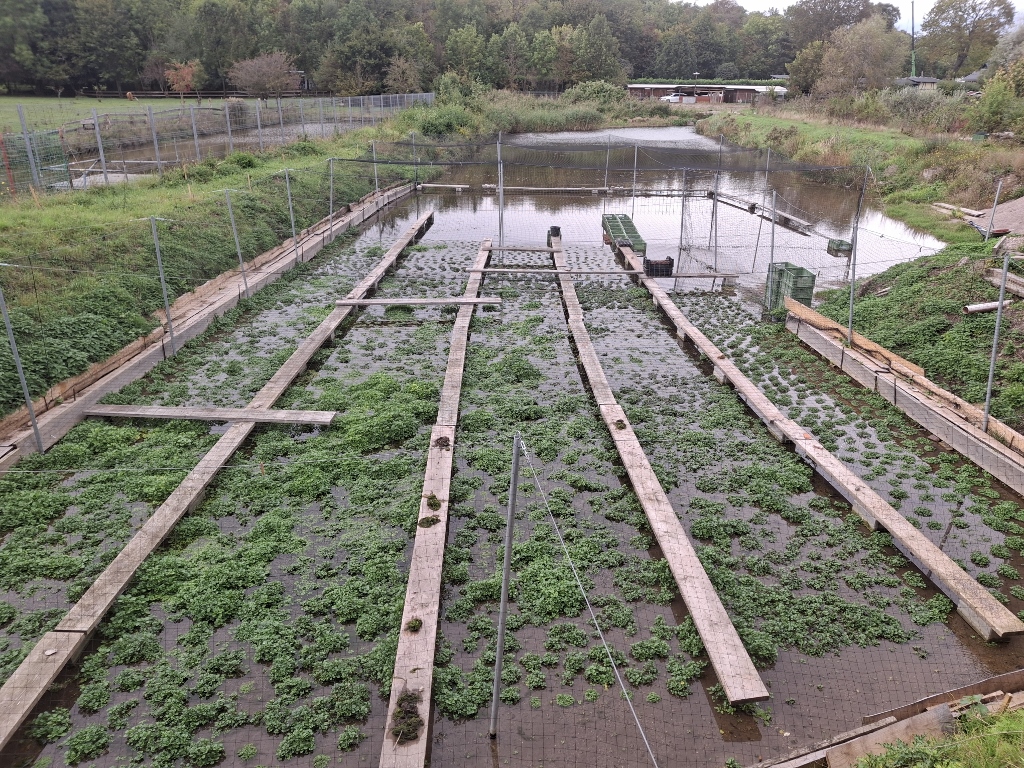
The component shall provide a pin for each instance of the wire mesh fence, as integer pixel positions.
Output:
(100, 148)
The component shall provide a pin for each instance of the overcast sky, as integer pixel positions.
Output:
(921, 7)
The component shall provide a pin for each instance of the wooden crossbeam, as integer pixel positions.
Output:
(262, 415)
(694, 275)
(563, 271)
(414, 302)
(523, 249)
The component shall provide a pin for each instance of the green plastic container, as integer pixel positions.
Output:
(839, 248)
(787, 279)
(618, 226)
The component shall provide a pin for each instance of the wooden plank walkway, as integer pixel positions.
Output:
(990, 618)
(17, 697)
(414, 661)
(533, 270)
(399, 302)
(192, 315)
(522, 249)
(730, 659)
(952, 420)
(260, 415)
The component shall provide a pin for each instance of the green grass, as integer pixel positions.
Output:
(979, 742)
(49, 112)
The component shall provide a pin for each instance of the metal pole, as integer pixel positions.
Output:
(415, 159)
(330, 210)
(280, 117)
(195, 133)
(302, 118)
(853, 253)
(771, 257)
(995, 341)
(376, 181)
(163, 281)
(607, 161)
(992, 216)
(156, 144)
(238, 246)
(291, 212)
(635, 151)
(21, 371)
(349, 109)
(501, 196)
(334, 112)
(714, 219)
(505, 573)
(320, 106)
(682, 213)
(28, 149)
(757, 242)
(99, 146)
(259, 124)
(227, 122)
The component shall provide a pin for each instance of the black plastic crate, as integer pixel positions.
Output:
(659, 267)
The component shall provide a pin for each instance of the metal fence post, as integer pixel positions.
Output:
(21, 371)
(195, 134)
(28, 150)
(280, 117)
(636, 150)
(156, 144)
(320, 106)
(349, 112)
(992, 216)
(376, 181)
(501, 196)
(607, 161)
(302, 118)
(163, 282)
(227, 122)
(330, 210)
(291, 213)
(259, 124)
(238, 246)
(506, 572)
(99, 146)
(853, 252)
(995, 342)
(714, 219)
(771, 255)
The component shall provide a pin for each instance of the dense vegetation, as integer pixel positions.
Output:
(361, 47)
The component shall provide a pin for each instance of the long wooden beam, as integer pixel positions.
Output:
(732, 663)
(522, 249)
(259, 415)
(414, 302)
(26, 686)
(533, 270)
(990, 618)
(414, 661)
(192, 314)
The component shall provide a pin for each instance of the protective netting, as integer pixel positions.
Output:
(264, 630)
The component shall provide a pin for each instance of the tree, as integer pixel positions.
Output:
(864, 57)
(675, 58)
(811, 20)
(183, 77)
(464, 50)
(764, 46)
(543, 51)
(960, 34)
(270, 74)
(1009, 49)
(805, 69)
(515, 54)
(403, 76)
(597, 52)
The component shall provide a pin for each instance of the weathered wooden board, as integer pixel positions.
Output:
(414, 659)
(731, 662)
(990, 618)
(261, 415)
(414, 302)
(1009, 681)
(934, 723)
(87, 613)
(539, 271)
(35, 674)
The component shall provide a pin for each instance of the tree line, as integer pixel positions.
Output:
(363, 46)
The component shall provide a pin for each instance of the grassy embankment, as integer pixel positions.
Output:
(43, 113)
(979, 742)
(921, 318)
(89, 283)
(909, 172)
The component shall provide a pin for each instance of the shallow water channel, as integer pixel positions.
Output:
(263, 632)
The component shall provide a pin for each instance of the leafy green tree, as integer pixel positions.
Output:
(22, 28)
(1009, 49)
(464, 50)
(811, 20)
(543, 51)
(675, 56)
(864, 57)
(764, 46)
(104, 47)
(515, 54)
(959, 35)
(597, 52)
(805, 69)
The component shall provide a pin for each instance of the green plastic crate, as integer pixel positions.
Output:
(785, 279)
(618, 226)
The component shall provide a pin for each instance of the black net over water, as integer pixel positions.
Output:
(265, 629)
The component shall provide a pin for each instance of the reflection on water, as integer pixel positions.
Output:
(672, 171)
